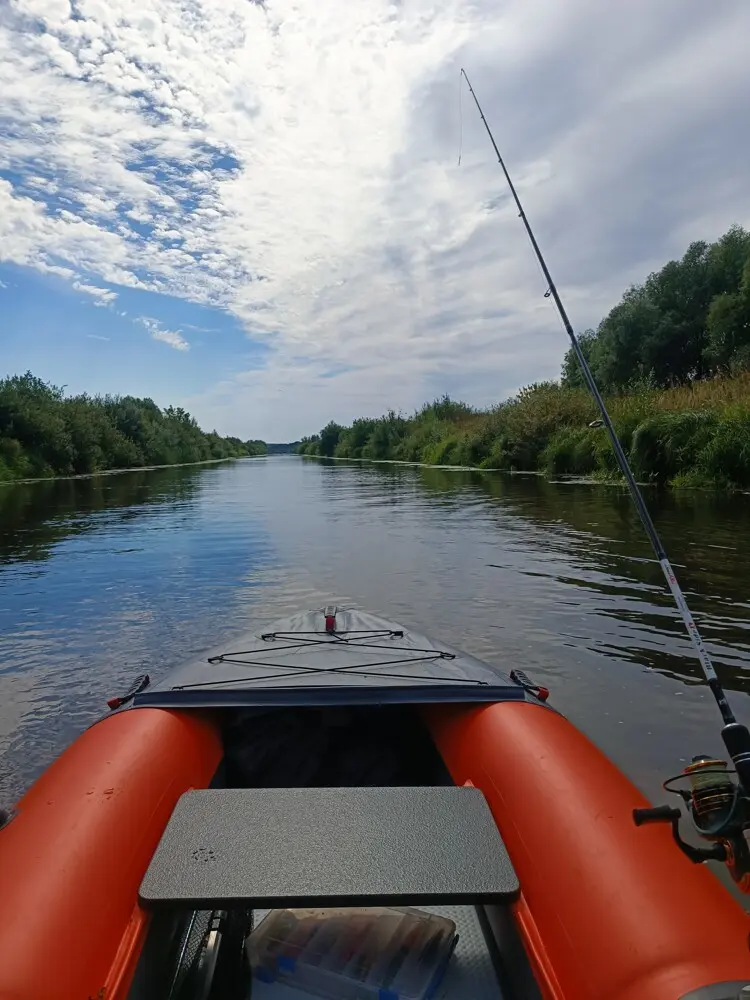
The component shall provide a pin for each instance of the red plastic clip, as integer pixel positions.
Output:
(330, 617)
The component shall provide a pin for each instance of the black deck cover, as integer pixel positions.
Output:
(364, 660)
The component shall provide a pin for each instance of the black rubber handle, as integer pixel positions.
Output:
(658, 814)
(139, 684)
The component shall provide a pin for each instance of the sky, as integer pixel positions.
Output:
(256, 210)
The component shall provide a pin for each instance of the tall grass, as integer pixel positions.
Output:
(696, 434)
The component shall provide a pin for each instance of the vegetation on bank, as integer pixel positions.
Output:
(673, 358)
(697, 434)
(43, 433)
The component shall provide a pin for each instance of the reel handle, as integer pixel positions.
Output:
(668, 814)
(657, 814)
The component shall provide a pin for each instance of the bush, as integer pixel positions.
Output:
(724, 457)
(445, 452)
(572, 451)
(668, 443)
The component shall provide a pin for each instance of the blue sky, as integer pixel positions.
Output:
(256, 210)
(142, 343)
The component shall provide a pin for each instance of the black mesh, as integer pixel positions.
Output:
(193, 940)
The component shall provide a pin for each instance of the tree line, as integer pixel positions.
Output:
(688, 321)
(43, 433)
(673, 358)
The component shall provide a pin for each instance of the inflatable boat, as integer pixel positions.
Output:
(338, 759)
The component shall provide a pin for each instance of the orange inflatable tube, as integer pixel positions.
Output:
(607, 909)
(73, 857)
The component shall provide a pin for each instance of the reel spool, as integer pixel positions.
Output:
(713, 795)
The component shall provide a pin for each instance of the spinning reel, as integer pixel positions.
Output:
(717, 800)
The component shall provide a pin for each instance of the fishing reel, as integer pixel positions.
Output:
(718, 804)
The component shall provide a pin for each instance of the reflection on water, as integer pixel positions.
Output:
(104, 578)
(34, 516)
(581, 552)
(590, 539)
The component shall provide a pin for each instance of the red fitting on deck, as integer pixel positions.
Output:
(329, 613)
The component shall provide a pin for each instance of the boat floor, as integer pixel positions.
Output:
(470, 975)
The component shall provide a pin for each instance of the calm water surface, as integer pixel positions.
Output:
(103, 578)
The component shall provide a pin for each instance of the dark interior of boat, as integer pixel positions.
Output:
(200, 954)
(330, 747)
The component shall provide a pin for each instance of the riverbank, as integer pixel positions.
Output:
(46, 434)
(693, 435)
(121, 472)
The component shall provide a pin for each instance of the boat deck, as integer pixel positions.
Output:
(470, 975)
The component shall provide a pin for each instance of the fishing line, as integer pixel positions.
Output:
(692, 629)
(460, 118)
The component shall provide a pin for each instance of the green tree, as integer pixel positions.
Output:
(680, 295)
(353, 440)
(329, 438)
(684, 322)
(572, 375)
(728, 342)
(309, 445)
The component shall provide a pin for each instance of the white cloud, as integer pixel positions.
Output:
(105, 295)
(203, 145)
(96, 336)
(61, 272)
(170, 337)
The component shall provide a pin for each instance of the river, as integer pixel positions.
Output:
(106, 577)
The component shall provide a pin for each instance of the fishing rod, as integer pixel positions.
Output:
(720, 813)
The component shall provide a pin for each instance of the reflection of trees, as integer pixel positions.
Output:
(590, 539)
(35, 516)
